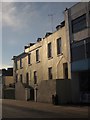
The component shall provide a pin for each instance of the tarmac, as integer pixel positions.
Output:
(47, 107)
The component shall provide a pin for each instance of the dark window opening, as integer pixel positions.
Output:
(82, 48)
(37, 55)
(49, 50)
(29, 58)
(59, 46)
(65, 67)
(50, 73)
(21, 78)
(79, 24)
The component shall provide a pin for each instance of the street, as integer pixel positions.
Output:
(14, 112)
(22, 109)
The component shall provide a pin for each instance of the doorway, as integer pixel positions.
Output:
(32, 94)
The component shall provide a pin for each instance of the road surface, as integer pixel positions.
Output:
(20, 112)
(16, 112)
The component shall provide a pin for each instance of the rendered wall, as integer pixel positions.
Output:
(60, 87)
(19, 91)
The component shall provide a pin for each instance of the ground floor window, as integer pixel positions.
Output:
(50, 73)
(65, 70)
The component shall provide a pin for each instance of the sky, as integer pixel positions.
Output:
(24, 22)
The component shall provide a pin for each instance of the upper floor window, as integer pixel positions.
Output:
(59, 46)
(79, 24)
(35, 77)
(50, 73)
(49, 50)
(29, 58)
(37, 55)
(20, 63)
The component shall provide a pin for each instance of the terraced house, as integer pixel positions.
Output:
(48, 59)
(53, 65)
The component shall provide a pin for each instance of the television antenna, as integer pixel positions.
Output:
(51, 17)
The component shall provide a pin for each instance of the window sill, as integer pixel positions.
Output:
(37, 61)
(50, 58)
(30, 64)
(60, 54)
(21, 67)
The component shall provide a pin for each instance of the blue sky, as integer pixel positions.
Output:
(24, 22)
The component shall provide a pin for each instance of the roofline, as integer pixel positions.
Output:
(16, 57)
(77, 4)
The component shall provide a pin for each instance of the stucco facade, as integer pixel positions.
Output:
(56, 61)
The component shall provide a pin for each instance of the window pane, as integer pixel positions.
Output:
(50, 73)
(79, 24)
(59, 46)
(49, 50)
(21, 78)
(37, 55)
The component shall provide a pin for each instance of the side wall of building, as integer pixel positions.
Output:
(8, 80)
